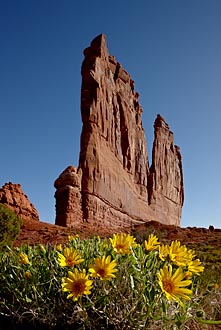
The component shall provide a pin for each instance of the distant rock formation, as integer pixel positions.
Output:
(68, 197)
(113, 185)
(12, 196)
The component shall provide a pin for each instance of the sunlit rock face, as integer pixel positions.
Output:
(117, 188)
(165, 185)
(12, 196)
(68, 198)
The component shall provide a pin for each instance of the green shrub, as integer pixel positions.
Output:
(10, 226)
(33, 283)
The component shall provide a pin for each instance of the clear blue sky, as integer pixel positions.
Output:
(172, 49)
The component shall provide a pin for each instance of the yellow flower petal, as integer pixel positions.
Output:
(23, 258)
(195, 266)
(152, 243)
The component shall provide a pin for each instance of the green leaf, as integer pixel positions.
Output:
(27, 299)
(132, 282)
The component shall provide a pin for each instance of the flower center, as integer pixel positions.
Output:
(168, 286)
(69, 261)
(101, 272)
(121, 246)
(78, 287)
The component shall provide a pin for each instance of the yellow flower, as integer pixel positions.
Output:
(163, 251)
(191, 254)
(42, 248)
(77, 283)
(216, 286)
(122, 243)
(69, 258)
(72, 238)
(174, 285)
(188, 275)
(152, 243)
(27, 275)
(59, 247)
(23, 258)
(179, 254)
(195, 266)
(103, 268)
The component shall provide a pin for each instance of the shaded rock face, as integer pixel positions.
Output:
(117, 188)
(12, 196)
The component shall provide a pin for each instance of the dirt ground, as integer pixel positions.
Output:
(36, 232)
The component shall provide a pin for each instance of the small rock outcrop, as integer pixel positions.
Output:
(116, 187)
(12, 196)
(68, 198)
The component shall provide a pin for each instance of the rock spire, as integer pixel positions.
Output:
(114, 185)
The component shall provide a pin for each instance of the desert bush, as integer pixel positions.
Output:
(9, 226)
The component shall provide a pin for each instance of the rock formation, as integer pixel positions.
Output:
(68, 197)
(12, 196)
(113, 185)
(165, 185)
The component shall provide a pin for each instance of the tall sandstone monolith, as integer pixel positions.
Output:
(117, 188)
